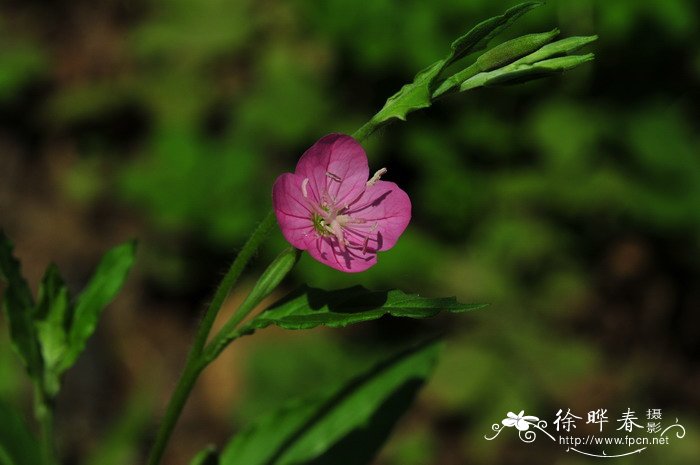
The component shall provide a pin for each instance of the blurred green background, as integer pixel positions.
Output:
(572, 205)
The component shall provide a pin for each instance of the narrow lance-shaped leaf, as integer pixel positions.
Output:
(309, 307)
(347, 426)
(268, 282)
(556, 49)
(497, 57)
(418, 94)
(102, 288)
(52, 314)
(18, 305)
(516, 73)
(273, 276)
(480, 35)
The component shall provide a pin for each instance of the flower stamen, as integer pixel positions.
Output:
(337, 230)
(366, 242)
(334, 177)
(373, 180)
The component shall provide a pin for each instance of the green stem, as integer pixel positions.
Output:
(44, 412)
(227, 335)
(196, 360)
(172, 414)
(234, 272)
(268, 282)
(366, 130)
(193, 366)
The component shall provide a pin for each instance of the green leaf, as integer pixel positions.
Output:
(18, 305)
(273, 276)
(102, 288)
(516, 73)
(207, 456)
(52, 315)
(410, 97)
(558, 48)
(17, 444)
(480, 36)
(418, 94)
(511, 50)
(309, 307)
(348, 426)
(268, 282)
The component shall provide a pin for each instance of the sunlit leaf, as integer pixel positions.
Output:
(516, 73)
(556, 49)
(52, 315)
(418, 94)
(347, 426)
(102, 288)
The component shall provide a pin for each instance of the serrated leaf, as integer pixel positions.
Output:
(418, 94)
(102, 288)
(18, 305)
(348, 426)
(412, 96)
(516, 73)
(207, 456)
(308, 307)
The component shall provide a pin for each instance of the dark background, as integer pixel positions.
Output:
(570, 204)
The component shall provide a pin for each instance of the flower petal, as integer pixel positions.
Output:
(385, 210)
(337, 168)
(327, 251)
(293, 210)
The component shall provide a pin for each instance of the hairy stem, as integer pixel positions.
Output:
(197, 360)
(193, 367)
(172, 414)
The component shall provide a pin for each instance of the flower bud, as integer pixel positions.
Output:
(511, 50)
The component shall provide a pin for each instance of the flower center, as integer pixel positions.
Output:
(320, 225)
(329, 219)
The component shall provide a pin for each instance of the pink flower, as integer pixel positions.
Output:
(329, 208)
